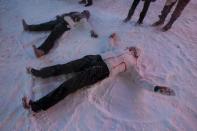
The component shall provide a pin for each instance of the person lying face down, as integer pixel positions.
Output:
(86, 2)
(62, 23)
(89, 70)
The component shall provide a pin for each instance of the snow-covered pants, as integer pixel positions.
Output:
(143, 12)
(88, 70)
(57, 28)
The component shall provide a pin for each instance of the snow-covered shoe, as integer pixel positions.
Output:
(38, 52)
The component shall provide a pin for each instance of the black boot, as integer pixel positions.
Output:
(25, 25)
(159, 22)
(139, 22)
(126, 20)
(167, 27)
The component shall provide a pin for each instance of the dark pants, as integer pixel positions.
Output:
(89, 2)
(177, 12)
(57, 28)
(89, 70)
(143, 12)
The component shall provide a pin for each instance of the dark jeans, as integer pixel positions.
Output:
(57, 28)
(177, 12)
(89, 70)
(143, 12)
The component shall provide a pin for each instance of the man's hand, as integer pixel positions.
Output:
(164, 90)
(93, 34)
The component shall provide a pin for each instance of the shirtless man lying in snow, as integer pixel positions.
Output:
(89, 70)
(64, 22)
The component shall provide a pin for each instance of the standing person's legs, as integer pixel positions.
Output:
(144, 11)
(70, 67)
(47, 26)
(89, 2)
(166, 10)
(82, 2)
(84, 78)
(177, 12)
(132, 10)
(56, 33)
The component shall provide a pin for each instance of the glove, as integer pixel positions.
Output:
(164, 90)
(93, 34)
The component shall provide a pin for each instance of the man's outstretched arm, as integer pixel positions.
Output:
(153, 87)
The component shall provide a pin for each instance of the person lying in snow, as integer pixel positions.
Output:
(63, 23)
(166, 10)
(142, 14)
(89, 70)
(86, 2)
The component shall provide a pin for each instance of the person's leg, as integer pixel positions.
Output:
(81, 79)
(144, 11)
(48, 26)
(177, 12)
(56, 33)
(82, 2)
(132, 10)
(166, 10)
(89, 2)
(70, 67)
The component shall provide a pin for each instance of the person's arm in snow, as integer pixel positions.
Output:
(152, 87)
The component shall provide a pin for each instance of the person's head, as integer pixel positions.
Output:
(86, 13)
(134, 51)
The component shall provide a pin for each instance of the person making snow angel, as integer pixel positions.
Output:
(63, 23)
(89, 70)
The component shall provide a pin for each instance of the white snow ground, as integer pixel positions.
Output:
(114, 104)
